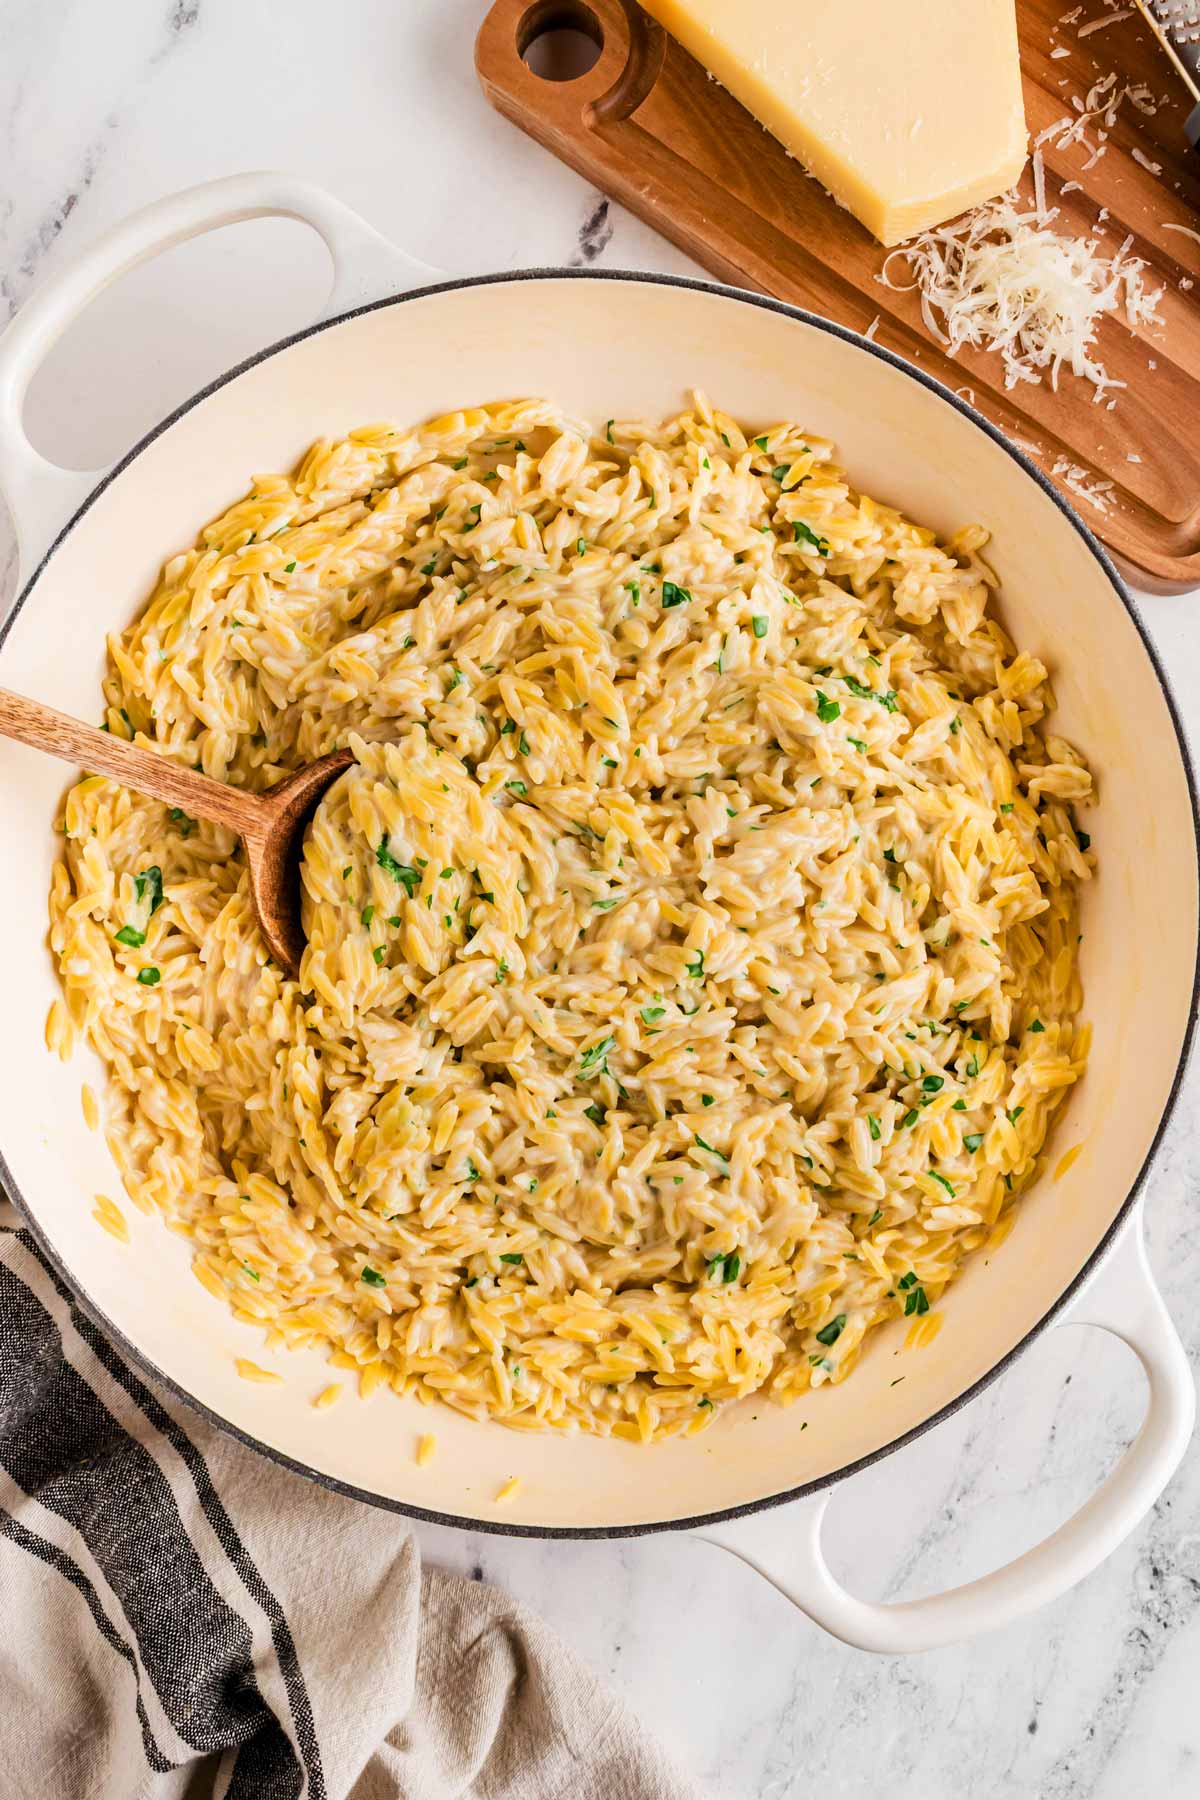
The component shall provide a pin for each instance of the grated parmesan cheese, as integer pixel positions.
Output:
(1000, 280)
(1114, 18)
(1099, 108)
(1082, 485)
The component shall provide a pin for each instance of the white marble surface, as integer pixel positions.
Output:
(104, 107)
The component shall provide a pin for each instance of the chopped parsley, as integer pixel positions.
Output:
(827, 710)
(727, 1265)
(650, 1013)
(804, 534)
(910, 1118)
(1006, 806)
(512, 1256)
(943, 1182)
(760, 625)
(150, 882)
(712, 1151)
(873, 1127)
(595, 1114)
(674, 596)
(368, 913)
(595, 1059)
(1014, 1115)
(857, 744)
(861, 691)
(402, 872)
(372, 1277)
(915, 1300)
(933, 1083)
(1037, 1026)
(130, 935)
(379, 952)
(829, 1334)
(972, 1142)
(518, 788)
(149, 977)
(695, 966)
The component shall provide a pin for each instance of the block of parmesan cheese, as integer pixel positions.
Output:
(908, 111)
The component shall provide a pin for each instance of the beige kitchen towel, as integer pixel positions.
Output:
(179, 1617)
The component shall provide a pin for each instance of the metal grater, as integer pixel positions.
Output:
(1176, 24)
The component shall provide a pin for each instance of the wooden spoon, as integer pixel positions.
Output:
(270, 825)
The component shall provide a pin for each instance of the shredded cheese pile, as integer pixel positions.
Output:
(1001, 279)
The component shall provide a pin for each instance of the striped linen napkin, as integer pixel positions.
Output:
(181, 1617)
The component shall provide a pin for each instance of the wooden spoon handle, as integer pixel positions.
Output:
(29, 722)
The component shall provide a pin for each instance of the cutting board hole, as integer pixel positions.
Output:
(560, 43)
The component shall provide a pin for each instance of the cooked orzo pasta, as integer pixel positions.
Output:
(692, 963)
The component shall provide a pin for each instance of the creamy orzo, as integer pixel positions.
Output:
(692, 965)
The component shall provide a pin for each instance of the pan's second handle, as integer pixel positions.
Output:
(785, 1545)
(366, 267)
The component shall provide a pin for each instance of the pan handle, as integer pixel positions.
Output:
(785, 1545)
(366, 267)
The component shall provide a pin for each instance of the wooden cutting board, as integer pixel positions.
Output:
(647, 126)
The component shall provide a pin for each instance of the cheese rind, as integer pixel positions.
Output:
(908, 111)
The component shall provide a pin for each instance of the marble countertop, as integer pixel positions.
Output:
(104, 108)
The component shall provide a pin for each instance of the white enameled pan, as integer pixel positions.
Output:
(604, 345)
